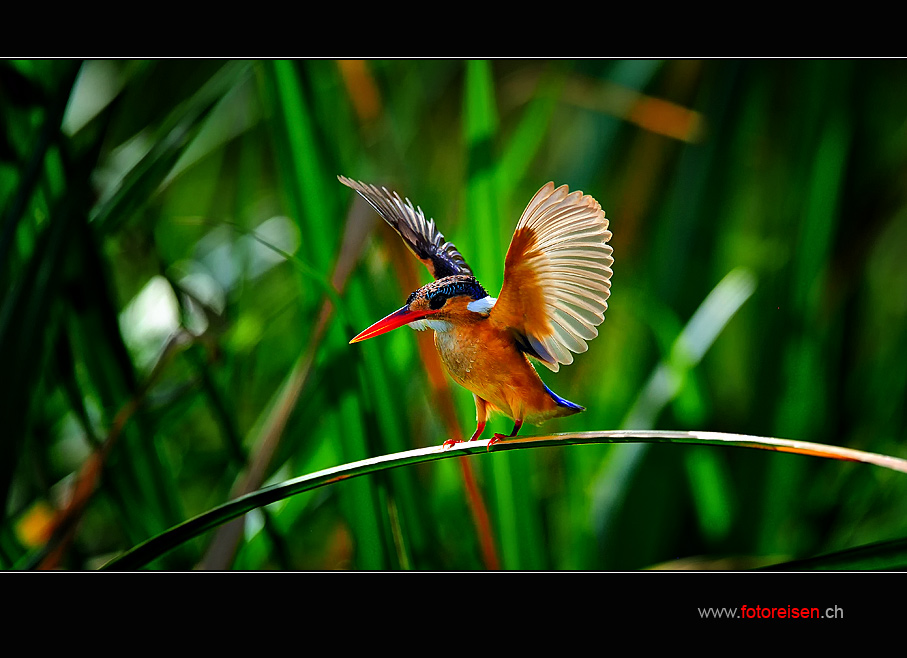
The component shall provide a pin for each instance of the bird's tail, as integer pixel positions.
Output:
(561, 402)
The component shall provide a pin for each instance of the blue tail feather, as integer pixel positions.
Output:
(561, 402)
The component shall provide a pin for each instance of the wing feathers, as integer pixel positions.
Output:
(557, 276)
(421, 235)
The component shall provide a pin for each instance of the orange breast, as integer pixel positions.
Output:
(482, 356)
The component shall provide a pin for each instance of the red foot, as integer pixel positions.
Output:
(450, 443)
(497, 438)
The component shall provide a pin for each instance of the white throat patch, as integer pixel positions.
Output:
(483, 305)
(428, 323)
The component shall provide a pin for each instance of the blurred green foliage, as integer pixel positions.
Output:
(180, 273)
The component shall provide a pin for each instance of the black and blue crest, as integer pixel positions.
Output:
(438, 292)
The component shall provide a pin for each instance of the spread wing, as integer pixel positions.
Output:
(557, 276)
(421, 236)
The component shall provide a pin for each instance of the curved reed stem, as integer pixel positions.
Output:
(144, 553)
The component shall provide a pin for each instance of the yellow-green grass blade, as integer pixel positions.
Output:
(156, 546)
(662, 387)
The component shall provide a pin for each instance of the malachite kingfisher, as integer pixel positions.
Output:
(557, 280)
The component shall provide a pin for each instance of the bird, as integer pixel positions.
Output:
(557, 281)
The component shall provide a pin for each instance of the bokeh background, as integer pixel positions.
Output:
(181, 272)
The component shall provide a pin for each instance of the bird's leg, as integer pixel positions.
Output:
(518, 423)
(481, 416)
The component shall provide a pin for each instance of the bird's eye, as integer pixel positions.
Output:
(437, 301)
(409, 300)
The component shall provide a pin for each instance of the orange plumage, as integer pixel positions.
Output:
(482, 356)
(557, 279)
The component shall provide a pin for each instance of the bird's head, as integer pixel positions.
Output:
(440, 305)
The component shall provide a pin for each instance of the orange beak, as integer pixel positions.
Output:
(391, 322)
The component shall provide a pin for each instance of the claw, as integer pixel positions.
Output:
(447, 445)
(497, 438)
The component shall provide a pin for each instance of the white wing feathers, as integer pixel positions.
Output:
(559, 259)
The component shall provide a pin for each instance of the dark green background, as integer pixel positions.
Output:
(132, 180)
